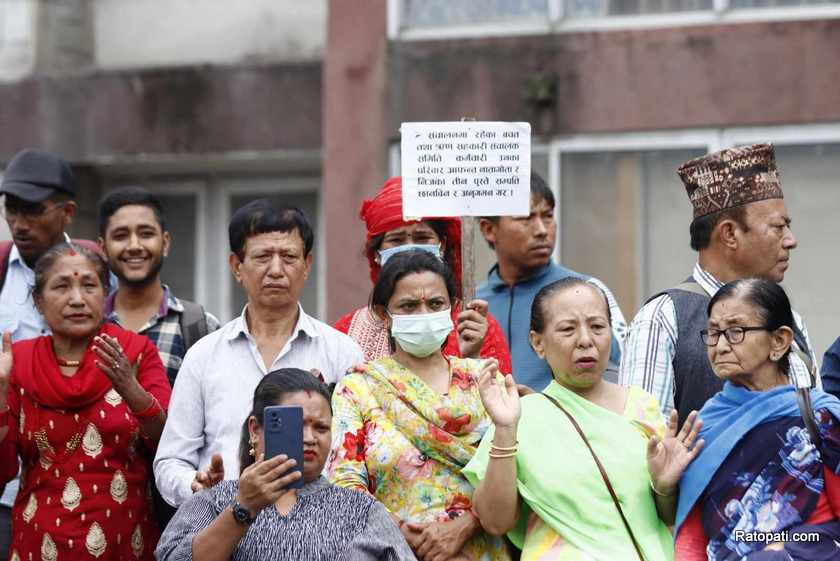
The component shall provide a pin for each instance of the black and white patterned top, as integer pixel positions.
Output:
(326, 523)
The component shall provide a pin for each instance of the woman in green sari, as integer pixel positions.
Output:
(535, 476)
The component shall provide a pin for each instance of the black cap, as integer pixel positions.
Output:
(34, 175)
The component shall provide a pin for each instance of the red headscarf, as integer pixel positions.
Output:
(384, 213)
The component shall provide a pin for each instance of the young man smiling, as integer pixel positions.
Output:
(133, 234)
(135, 240)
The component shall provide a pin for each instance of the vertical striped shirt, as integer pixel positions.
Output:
(651, 341)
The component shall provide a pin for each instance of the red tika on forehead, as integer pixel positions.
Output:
(731, 178)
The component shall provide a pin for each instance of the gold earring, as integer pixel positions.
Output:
(252, 452)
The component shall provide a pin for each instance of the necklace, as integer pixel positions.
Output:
(69, 363)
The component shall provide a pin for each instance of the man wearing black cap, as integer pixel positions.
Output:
(37, 202)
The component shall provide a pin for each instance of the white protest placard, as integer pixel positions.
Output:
(466, 168)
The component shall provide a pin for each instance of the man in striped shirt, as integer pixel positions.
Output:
(741, 228)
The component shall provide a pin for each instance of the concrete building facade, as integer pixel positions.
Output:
(208, 103)
(618, 93)
(212, 103)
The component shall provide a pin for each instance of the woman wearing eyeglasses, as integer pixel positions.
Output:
(763, 488)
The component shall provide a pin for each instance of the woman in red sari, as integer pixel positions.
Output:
(476, 333)
(83, 408)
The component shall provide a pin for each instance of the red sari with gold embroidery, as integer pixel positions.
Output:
(85, 483)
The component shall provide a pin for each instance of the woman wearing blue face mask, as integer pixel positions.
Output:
(476, 333)
(404, 425)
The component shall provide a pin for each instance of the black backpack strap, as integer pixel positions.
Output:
(193, 323)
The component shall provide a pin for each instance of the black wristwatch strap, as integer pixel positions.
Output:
(241, 514)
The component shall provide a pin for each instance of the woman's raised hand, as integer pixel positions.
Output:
(471, 326)
(668, 458)
(265, 481)
(500, 397)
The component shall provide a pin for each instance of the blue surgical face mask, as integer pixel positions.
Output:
(386, 254)
(421, 334)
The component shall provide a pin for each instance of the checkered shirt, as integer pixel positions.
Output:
(164, 330)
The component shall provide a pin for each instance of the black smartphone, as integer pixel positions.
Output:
(283, 434)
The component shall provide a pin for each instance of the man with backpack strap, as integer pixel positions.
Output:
(132, 232)
(740, 228)
(38, 190)
(133, 235)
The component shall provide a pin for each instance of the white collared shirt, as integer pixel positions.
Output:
(214, 391)
(18, 313)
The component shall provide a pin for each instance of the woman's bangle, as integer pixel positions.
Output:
(505, 448)
(505, 455)
(657, 492)
(153, 410)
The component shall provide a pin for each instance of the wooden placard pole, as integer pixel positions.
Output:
(467, 255)
(467, 259)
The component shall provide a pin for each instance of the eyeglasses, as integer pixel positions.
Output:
(29, 211)
(734, 335)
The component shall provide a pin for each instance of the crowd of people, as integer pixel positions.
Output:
(531, 422)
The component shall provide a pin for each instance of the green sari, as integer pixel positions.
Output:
(559, 481)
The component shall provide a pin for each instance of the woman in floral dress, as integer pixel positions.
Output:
(83, 409)
(405, 425)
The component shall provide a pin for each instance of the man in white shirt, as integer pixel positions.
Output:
(271, 256)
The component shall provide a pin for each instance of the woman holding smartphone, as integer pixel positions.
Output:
(261, 516)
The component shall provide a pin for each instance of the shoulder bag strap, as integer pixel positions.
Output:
(803, 399)
(603, 475)
(800, 349)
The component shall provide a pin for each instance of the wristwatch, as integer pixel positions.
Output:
(241, 514)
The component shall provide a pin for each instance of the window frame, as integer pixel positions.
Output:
(556, 21)
(709, 139)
